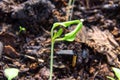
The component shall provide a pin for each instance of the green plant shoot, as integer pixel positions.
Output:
(70, 10)
(21, 29)
(56, 36)
(117, 74)
(11, 73)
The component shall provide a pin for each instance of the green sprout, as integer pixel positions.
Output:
(21, 29)
(55, 36)
(117, 73)
(11, 73)
(70, 10)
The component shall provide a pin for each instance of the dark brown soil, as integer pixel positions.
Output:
(97, 45)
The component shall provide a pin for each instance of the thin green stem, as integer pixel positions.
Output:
(69, 11)
(59, 39)
(51, 59)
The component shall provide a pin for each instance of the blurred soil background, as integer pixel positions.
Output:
(97, 45)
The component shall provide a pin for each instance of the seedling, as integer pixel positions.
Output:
(21, 29)
(70, 10)
(56, 36)
(117, 73)
(11, 73)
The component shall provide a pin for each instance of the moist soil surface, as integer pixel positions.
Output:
(96, 45)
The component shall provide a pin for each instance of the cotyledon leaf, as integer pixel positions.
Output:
(11, 73)
(71, 36)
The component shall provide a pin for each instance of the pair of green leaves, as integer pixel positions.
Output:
(69, 36)
(21, 29)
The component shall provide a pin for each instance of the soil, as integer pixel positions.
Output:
(97, 45)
